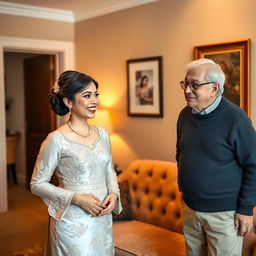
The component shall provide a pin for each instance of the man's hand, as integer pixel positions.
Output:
(243, 223)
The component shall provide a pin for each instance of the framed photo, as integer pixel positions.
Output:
(234, 59)
(144, 87)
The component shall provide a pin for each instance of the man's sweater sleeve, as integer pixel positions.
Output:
(244, 143)
(178, 147)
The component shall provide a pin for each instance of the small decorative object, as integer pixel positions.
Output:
(8, 103)
(56, 87)
(145, 89)
(234, 59)
(117, 170)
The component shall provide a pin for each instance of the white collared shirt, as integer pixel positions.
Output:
(210, 108)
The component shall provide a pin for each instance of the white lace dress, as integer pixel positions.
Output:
(80, 169)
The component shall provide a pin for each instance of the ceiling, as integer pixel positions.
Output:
(69, 5)
(66, 10)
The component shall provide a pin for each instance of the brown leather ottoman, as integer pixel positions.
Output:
(122, 252)
(143, 239)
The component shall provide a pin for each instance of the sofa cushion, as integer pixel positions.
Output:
(126, 213)
(155, 197)
(145, 239)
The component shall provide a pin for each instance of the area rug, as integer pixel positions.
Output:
(29, 252)
(40, 252)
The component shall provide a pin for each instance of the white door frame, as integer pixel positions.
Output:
(63, 49)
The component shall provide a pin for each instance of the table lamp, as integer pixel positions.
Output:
(102, 119)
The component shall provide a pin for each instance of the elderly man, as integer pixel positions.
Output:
(216, 156)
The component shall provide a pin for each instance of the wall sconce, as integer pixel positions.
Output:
(103, 119)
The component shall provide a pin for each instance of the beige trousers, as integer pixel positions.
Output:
(211, 233)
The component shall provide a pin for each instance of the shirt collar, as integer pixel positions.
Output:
(210, 108)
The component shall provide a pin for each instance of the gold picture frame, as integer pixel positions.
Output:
(234, 59)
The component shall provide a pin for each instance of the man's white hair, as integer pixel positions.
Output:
(214, 72)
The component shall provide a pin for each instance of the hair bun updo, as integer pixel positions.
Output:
(57, 104)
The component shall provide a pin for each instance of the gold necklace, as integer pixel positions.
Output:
(85, 136)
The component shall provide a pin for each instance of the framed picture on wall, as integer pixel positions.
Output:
(234, 59)
(145, 87)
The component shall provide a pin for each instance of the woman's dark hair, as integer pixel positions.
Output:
(141, 81)
(69, 83)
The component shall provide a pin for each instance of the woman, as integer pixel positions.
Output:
(80, 156)
(144, 92)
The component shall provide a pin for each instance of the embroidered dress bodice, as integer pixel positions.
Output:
(80, 169)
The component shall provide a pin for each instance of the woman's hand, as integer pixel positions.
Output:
(109, 202)
(89, 202)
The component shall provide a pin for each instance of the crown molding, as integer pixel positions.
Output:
(106, 7)
(99, 9)
(35, 12)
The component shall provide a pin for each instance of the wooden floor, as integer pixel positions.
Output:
(25, 224)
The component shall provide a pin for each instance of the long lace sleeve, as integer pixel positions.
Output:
(111, 178)
(57, 199)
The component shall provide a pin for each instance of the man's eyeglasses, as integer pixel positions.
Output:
(192, 85)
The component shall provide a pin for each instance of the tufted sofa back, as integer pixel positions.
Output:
(155, 197)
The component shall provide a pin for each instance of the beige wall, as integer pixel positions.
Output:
(16, 26)
(167, 28)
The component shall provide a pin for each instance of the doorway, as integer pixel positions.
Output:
(64, 52)
(28, 79)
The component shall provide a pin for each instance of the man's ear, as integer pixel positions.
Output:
(68, 102)
(215, 87)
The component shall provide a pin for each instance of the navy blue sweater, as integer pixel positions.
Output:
(216, 156)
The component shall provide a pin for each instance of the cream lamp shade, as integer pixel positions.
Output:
(102, 119)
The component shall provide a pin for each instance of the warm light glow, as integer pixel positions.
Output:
(109, 99)
(110, 93)
(122, 153)
(102, 119)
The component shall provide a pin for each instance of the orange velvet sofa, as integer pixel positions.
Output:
(156, 228)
